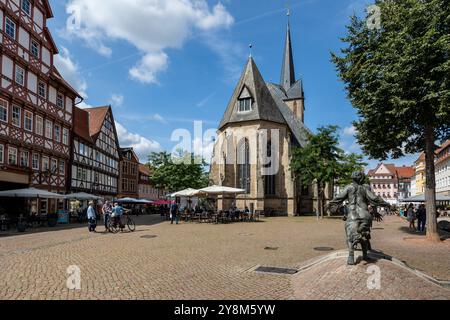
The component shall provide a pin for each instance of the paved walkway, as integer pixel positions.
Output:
(192, 261)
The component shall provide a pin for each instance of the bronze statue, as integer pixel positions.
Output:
(358, 219)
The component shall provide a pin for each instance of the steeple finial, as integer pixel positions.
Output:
(288, 70)
(250, 46)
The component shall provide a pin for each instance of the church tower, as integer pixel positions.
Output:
(261, 125)
(292, 88)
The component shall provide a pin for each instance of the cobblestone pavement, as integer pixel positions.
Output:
(192, 261)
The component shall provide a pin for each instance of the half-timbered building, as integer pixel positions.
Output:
(36, 103)
(95, 155)
(129, 174)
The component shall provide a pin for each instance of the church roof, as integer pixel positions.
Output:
(288, 70)
(297, 127)
(264, 106)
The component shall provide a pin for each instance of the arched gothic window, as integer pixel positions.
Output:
(269, 180)
(244, 178)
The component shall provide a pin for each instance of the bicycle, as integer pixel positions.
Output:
(116, 225)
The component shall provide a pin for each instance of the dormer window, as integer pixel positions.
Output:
(245, 101)
(245, 105)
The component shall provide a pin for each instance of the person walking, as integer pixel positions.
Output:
(107, 211)
(421, 218)
(92, 217)
(174, 214)
(411, 216)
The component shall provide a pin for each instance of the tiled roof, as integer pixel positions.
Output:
(400, 172)
(56, 75)
(81, 124)
(144, 169)
(97, 117)
(405, 172)
(48, 8)
(445, 145)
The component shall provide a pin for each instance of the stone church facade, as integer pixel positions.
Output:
(261, 125)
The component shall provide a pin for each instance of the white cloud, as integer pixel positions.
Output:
(70, 71)
(142, 146)
(158, 117)
(350, 131)
(84, 105)
(152, 26)
(149, 66)
(116, 100)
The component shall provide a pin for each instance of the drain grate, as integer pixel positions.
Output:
(323, 248)
(271, 248)
(276, 270)
(148, 237)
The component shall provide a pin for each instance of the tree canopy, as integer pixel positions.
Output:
(397, 76)
(321, 161)
(185, 171)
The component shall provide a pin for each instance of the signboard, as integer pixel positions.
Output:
(63, 217)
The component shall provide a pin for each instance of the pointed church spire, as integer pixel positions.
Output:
(288, 70)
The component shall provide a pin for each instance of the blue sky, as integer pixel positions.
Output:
(169, 63)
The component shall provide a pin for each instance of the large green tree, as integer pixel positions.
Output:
(179, 173)
(397, 76)
(321, 161)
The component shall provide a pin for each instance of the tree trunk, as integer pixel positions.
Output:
(430, 189)
(322, 200)
(319, 205)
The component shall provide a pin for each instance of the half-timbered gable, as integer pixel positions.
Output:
(95, 165)
(36, 103)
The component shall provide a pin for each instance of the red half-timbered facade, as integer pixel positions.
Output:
(95, 153)
(36, 103)
(129, 174)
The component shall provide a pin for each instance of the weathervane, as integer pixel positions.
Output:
(250, 46)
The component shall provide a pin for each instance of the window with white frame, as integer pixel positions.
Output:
(48, 129)
(16, 116)
(62, 167)
(20, 76)
(28, 121)
(45, 164)
(60, 101)
(35, 162)
(26, 7)
(65, 138)
(39, 125)
(24, 159)
(54, 165)
(42, 90)
(10, 28)
(57, 133)
(35, 48)
(12, 156)
(3, 110)
(2, 153)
